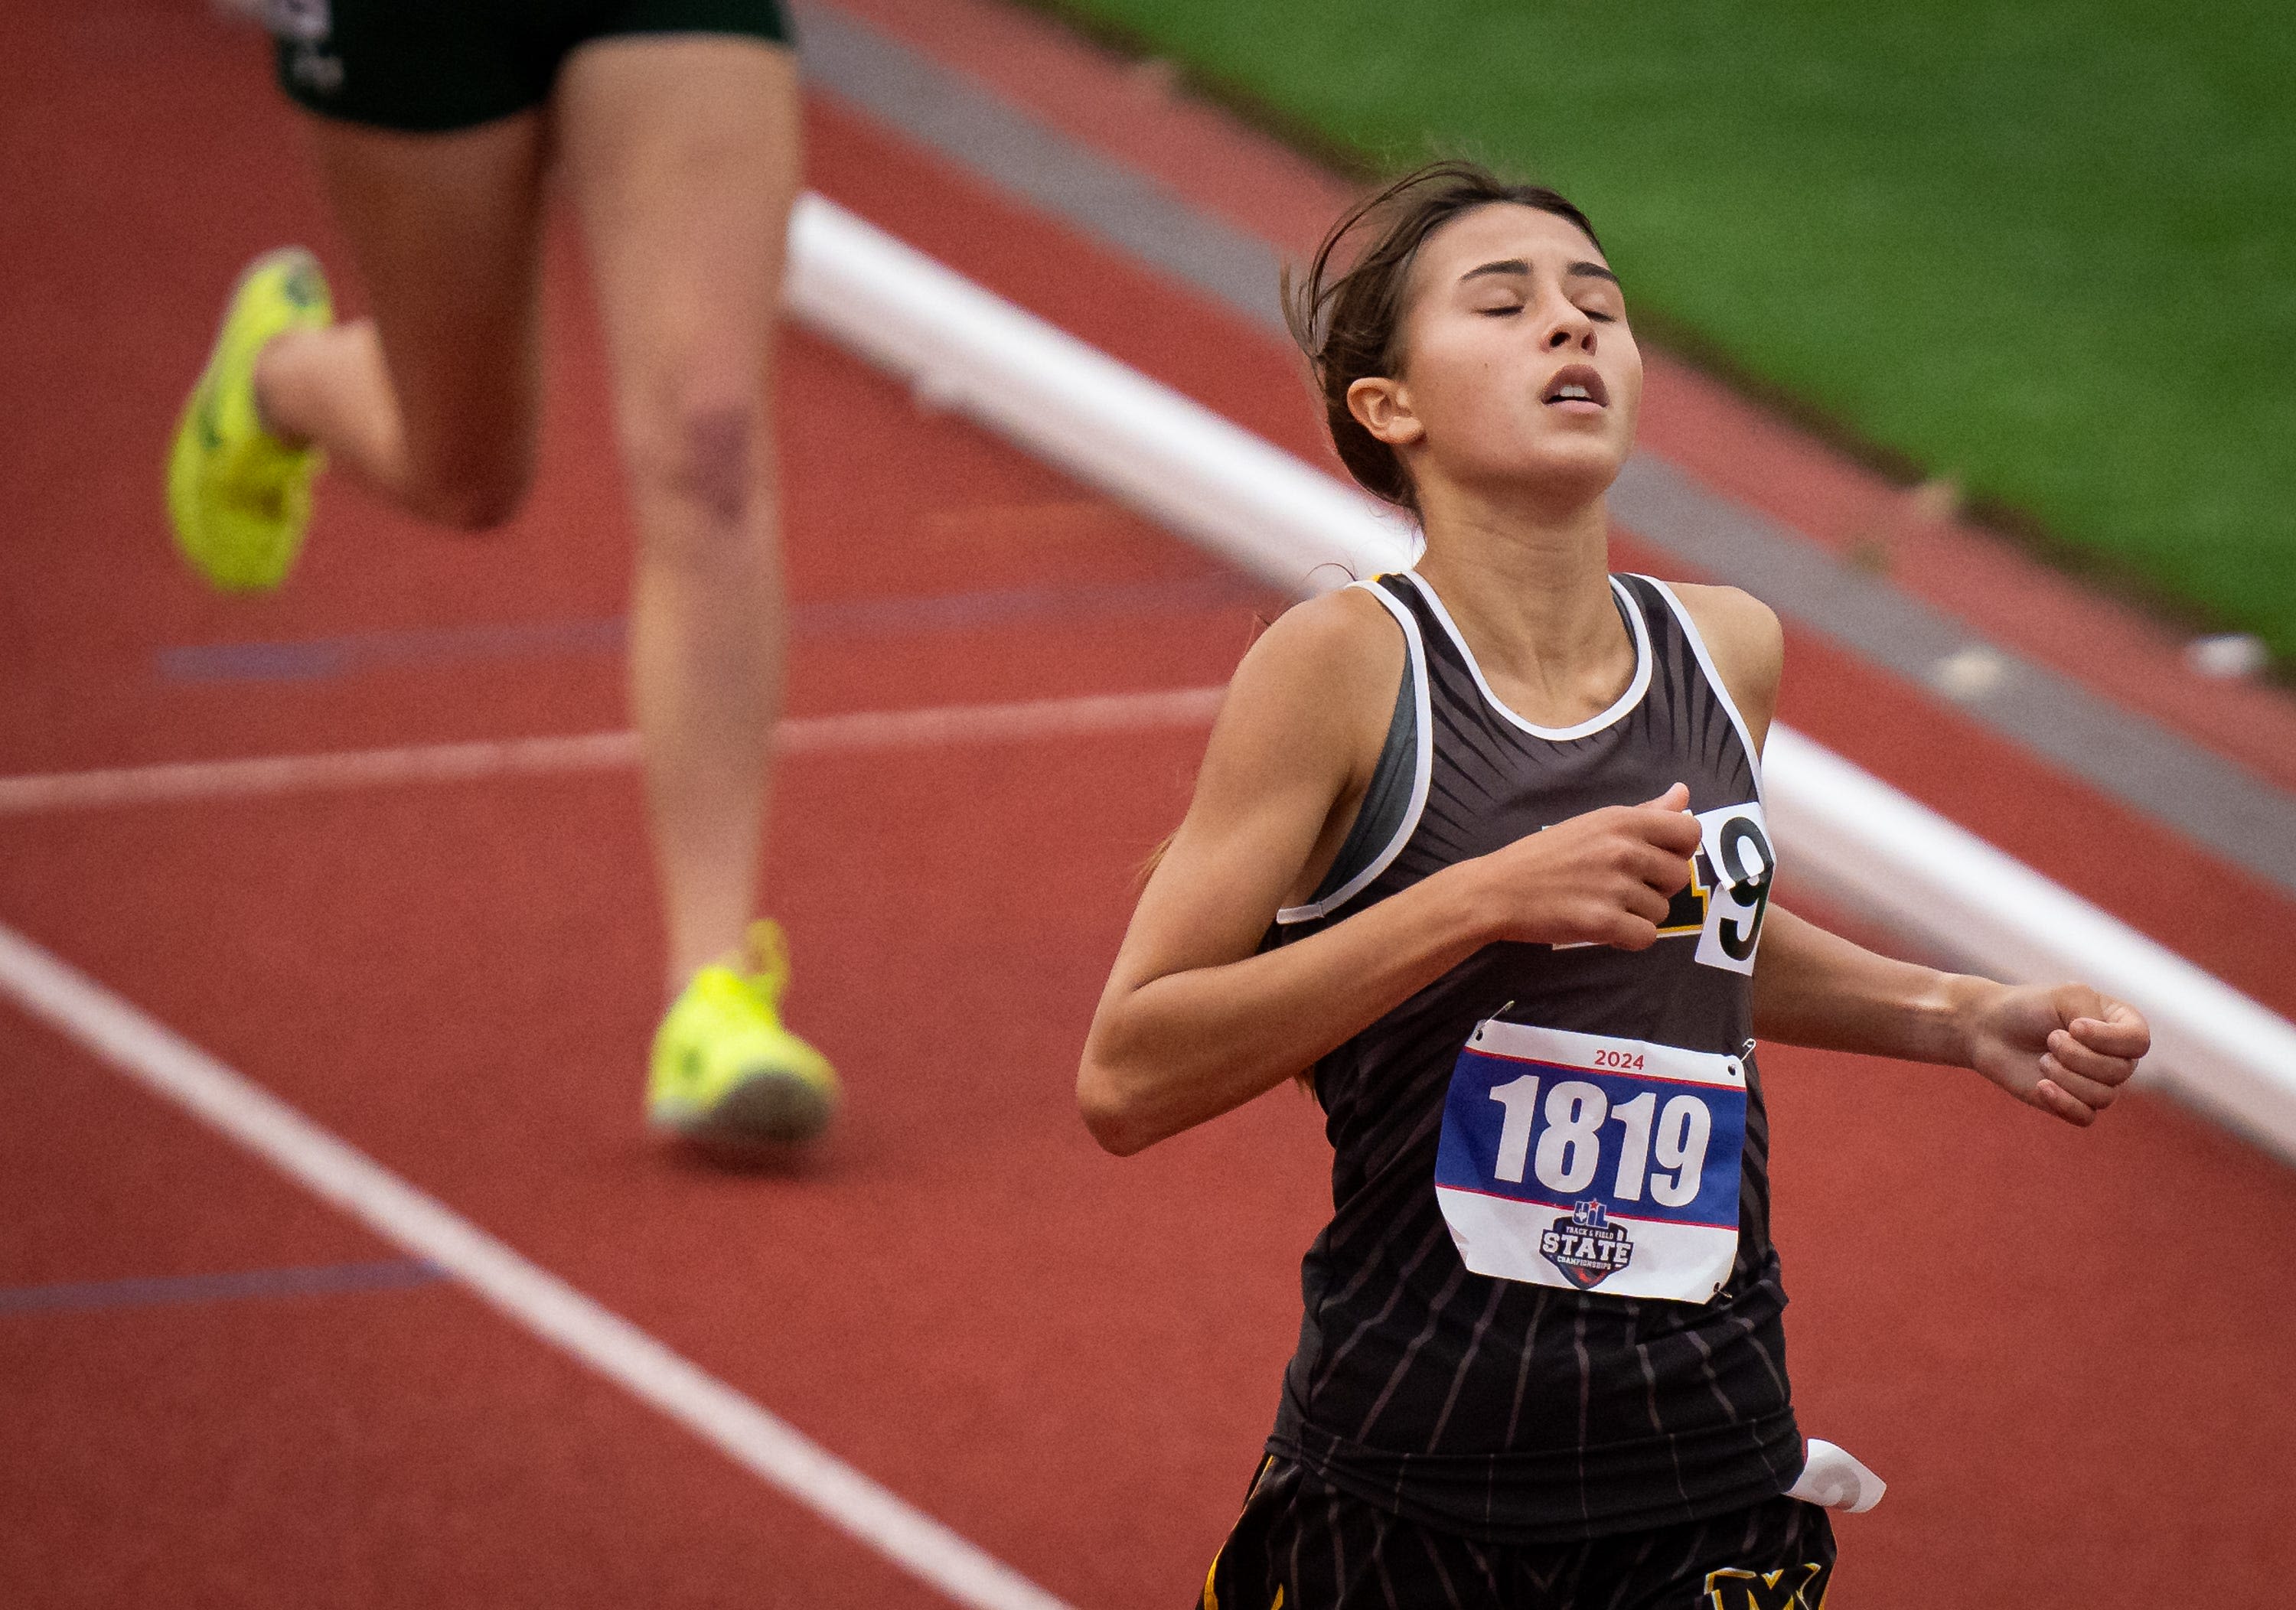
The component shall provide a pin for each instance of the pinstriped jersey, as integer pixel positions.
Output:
(1515, 1413)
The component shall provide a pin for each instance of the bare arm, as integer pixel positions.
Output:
(1193, 1022)
(2063, 1048)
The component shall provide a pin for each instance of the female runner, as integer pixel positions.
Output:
(1482, 844)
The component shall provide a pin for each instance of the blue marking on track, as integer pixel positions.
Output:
(328, 657)
(318, 659)
(322, 1280)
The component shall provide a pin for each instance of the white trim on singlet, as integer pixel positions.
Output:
(1713, 678)
(1637, 686)
(1415, 667)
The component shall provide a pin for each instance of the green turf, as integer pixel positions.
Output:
(2046, 246)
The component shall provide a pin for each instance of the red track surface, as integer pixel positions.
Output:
(2062, 1350)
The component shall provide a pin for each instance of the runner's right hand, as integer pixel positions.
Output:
(1605, 877)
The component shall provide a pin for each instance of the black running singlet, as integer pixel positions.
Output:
(1501, 1408)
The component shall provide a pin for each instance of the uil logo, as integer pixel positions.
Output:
(1586, 1246)
(1795, 1588)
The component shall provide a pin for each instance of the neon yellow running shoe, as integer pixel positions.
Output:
(726, 1072)
(238, 497)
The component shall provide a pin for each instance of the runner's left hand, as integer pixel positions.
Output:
(2063, 1048)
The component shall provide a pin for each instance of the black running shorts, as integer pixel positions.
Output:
(1302, 1545)
(432, 65)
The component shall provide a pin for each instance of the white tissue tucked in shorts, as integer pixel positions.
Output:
(1833, 1480)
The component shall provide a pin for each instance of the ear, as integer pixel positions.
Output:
(1383, 407)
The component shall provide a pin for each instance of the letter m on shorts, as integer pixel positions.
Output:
(1795, 1588)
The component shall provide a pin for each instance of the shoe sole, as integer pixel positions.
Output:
(767, 1111)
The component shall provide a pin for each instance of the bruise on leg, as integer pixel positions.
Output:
(715, 460)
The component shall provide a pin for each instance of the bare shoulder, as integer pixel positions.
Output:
(1323, 653)
(1314, 692)
(1749, 648)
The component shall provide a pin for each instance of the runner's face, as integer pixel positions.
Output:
(1519, 374)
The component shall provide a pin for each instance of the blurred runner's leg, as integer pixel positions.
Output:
(682, 152)
(431, 401)
(679, 137)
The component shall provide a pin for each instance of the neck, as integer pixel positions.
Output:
(1530, 586)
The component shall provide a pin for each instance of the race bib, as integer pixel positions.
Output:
(1593, 1164)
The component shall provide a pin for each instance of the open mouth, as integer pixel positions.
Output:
(1578, 386)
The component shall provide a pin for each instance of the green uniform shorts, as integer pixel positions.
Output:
(430, 66)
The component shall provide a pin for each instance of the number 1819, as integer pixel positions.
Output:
(1570, 1145)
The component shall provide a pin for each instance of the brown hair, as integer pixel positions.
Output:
(1350, 320)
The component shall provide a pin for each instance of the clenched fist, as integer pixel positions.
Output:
(2063, 1048)
(1606, 878)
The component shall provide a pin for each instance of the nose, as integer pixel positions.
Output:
(1567, 325)
(1574, 329)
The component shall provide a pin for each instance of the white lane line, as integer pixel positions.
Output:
(154, 1056)
(595, 751)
